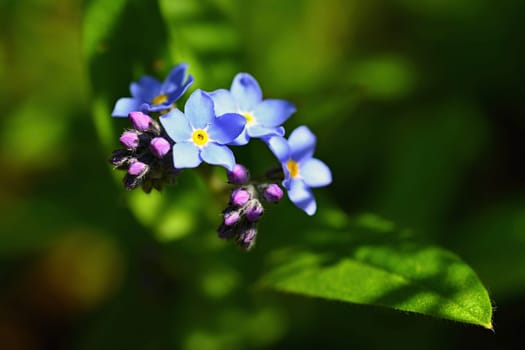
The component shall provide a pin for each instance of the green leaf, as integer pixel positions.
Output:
(375, 267)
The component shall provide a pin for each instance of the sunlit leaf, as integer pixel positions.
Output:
(379, 268)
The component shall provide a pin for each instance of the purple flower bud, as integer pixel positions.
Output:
(273, 193)
(129, 139)
(238, 175)
(159, 146)
(131, 182)
(240, 197)
(119, 158)
(254, 210)
(247, 237)
(140, 121)
(231, 217)
(226, 232)
(137, 168)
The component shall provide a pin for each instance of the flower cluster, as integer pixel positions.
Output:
(167, 139)
(146, 154)
(245, 207)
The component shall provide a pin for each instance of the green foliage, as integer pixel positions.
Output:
(381, 268)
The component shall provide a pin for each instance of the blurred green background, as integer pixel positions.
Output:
(418, 108)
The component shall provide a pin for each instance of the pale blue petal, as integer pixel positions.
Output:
(145, 89)
(241, 140)
(279, 147)
(302, 144)
(259, 131)
(218, 155)
(126, 105)
(186, 155)
(302, 196)
(246, 91)
(226, 128)
(174, 79)
(287, 178)
(315, 173)
(273, 113)
(156, 108)
(223, 101)
(176, 125)
(199, 109)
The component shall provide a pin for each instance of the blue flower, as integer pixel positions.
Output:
(149, 95)
(263, 117)
(200, 135)
(301, 170)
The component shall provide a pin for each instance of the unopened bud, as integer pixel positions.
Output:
(273, 193)
(254, 210)
(246, 239)
(159, 146)
(119, 157)
(131, 182)
(226, 232)
(129, 139)
(137, 168)
(231, 217)
(240, 197)
(238, 175)
(140, 121)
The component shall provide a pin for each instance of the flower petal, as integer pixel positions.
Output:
(226, 128)
(174, 79)
(177, 93)
(218, 155)
(259, 131)
(280, 131)
(199, 109)
(241, 140)
(186, 155)
(246, 91)
(302, 196)
(145, 89)
(176, 125)
(315, 173)
(279, 147)
(273, 113)
(302, 143)
(223, 101)
(126, 105)
(155, 108)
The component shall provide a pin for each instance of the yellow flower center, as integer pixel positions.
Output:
(157, 100)
(200, 137)
(248, 116)
(293, 168)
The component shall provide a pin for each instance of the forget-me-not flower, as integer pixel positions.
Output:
(301, 170)
(150, 95)
(263, 117)
(200, 135)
